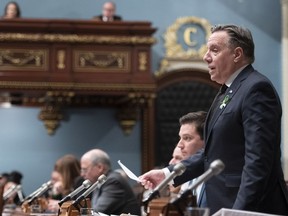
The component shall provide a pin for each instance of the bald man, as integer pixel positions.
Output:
(115, 196)
(108, 13)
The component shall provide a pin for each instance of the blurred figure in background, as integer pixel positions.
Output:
(108, 13)
(177, 156)
(64, 176)
(4, 178)
(15, 177)
(56, 179)
(14, 180)
(12, 10)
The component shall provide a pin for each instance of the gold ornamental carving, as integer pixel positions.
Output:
(61, 56)
(99, 61)
(51, 116)
(175, 49)
(143, 61)
(185, 41)
(74, 38)
(127, 118)
(51, 113)
(128, 115)
(26, 59)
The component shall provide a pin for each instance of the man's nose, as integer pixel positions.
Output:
(180, 145)
(206, 57)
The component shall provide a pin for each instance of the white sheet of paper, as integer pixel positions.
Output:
(129, 173)
(100, 214)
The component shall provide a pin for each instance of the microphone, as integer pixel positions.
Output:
(20, 194)
(216, 167)
(177, 170)
(36, 191)
(100, 181)
(84, 185)
(46, 186)
(12, 190)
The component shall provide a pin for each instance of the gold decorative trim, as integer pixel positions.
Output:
(74, 86)
(74, 38)
(127, 118)
(143, 61)
(27, 59)
(101, 61)
(51, 113)
(61, 56)
(51, 117)
(175, 54)
(174, 49)
(128, 115)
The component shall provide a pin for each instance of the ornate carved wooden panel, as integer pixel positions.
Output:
(53, 63)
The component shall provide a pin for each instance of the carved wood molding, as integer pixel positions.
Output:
(101, 87)
(75, 38)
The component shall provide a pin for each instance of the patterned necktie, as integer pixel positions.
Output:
(219, 97)
(202, 197)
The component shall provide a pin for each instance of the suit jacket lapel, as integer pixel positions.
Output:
(229, 93)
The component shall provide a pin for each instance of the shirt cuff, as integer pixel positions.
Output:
(167, 173)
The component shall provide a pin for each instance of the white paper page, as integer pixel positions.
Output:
(129, 173)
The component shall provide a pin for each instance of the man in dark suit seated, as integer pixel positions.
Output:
(108, 13)
(115, 196)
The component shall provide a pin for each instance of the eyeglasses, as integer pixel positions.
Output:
(84, 170)
(108, 9)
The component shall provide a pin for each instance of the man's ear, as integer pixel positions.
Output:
(238, 54)
(101, 167)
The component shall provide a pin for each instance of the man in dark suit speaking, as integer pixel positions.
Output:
(243, 129)
(108, 13)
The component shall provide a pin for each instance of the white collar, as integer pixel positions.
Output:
(234, 75)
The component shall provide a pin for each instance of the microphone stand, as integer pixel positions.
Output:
(178, 169)
(181, 204)
(68, 209)
(72, 207)
(215, 168)
(84, 185)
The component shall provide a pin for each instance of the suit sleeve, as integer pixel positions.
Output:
(111, 198)
(194, 167)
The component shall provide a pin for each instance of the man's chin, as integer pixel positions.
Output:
(213, 78)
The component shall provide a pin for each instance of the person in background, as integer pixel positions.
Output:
(55, 192)
(4, 178)
(14, 179)
(177, 157)
(64, 176)
(115, 196)
(242, 129)
(108, 13)
(11, 11)
(191, 141)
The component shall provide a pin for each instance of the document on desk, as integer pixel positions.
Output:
(129, 173)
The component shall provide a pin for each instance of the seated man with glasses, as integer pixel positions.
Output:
(115, 196)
